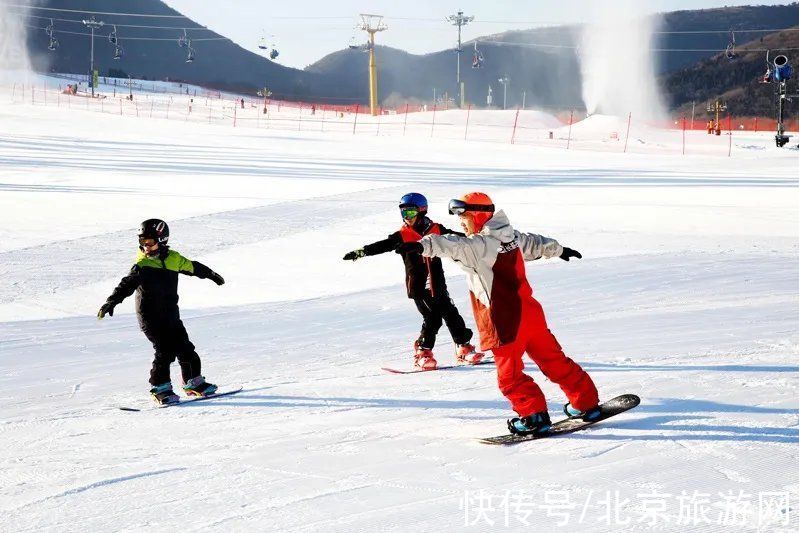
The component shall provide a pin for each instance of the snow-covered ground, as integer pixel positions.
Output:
(687, 296)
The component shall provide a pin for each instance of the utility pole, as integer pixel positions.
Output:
(94, 25)
(372, 24)
(264, 93)
(716, 107)
(459, 20)
(504, 81)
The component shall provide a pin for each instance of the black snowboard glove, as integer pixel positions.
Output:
(568, 253)
(106, 309)
(355, 255)
(216, 278)
(409, 248)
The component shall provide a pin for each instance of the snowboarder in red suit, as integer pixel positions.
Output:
(511, 322)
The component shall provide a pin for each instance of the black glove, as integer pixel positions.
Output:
(568, 253)
(106, 309)
(409, 248)
(355, 255)
(216, 278)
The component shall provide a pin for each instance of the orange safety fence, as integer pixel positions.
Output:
(753, 124)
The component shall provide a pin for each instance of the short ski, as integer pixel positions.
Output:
(610, 408)
(191, 399)
(417, 370)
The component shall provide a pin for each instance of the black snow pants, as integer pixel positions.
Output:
(435, 310)
(170, 341)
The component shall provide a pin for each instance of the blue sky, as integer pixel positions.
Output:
(309, 30)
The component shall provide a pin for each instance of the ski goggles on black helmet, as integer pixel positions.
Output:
(145, 243)
(459, 207)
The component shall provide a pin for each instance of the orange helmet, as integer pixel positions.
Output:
(477, 205)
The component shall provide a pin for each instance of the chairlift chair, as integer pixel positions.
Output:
(118, 52)
(477, 58)
(190, 55)
(768, 77)
(50, 31)
(183, 40)
(353, 43)
(112, 37)
(730, 51)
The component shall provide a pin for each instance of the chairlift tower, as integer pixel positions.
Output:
(372, 24)
(94, 25)
(460, 20)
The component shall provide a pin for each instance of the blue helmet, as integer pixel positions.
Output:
(414, 199)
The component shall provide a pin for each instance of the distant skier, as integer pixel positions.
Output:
(154, 278)
(425, 283)
(510, 320)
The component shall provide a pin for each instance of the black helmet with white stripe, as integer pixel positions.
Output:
(154, 228)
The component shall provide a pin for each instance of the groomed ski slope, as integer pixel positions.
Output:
(687, 296)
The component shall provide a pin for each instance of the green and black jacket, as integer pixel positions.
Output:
(155, 281)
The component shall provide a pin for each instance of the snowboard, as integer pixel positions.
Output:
(186, 401)
(610, 408)
(417, 370)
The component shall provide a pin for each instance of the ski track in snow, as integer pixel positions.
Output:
(686, 296)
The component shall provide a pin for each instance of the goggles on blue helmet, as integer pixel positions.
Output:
(412, 205)
(459, 207)
(409, 212)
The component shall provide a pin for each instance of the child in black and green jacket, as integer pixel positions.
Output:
(154, 278)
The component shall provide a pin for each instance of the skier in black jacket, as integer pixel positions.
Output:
(154, 278)
(426, 285)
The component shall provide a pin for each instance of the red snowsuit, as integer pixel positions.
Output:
(510, 320)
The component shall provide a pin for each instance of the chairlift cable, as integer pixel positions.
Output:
(571, 47)
(515, 22)
(61, 10)
(133, 38)
(145, 26)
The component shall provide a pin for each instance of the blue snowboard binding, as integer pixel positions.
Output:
(588, 415)
(199, 387)
(527, 425)
(163, 394)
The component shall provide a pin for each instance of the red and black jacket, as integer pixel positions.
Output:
(421, 273)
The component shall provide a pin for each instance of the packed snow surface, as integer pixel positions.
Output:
(686, 295)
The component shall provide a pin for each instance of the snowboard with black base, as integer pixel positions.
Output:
(605, 410)
(416, 369)
(176, 401)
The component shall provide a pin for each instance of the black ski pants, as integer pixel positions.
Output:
(170, 341)
(436, 310)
